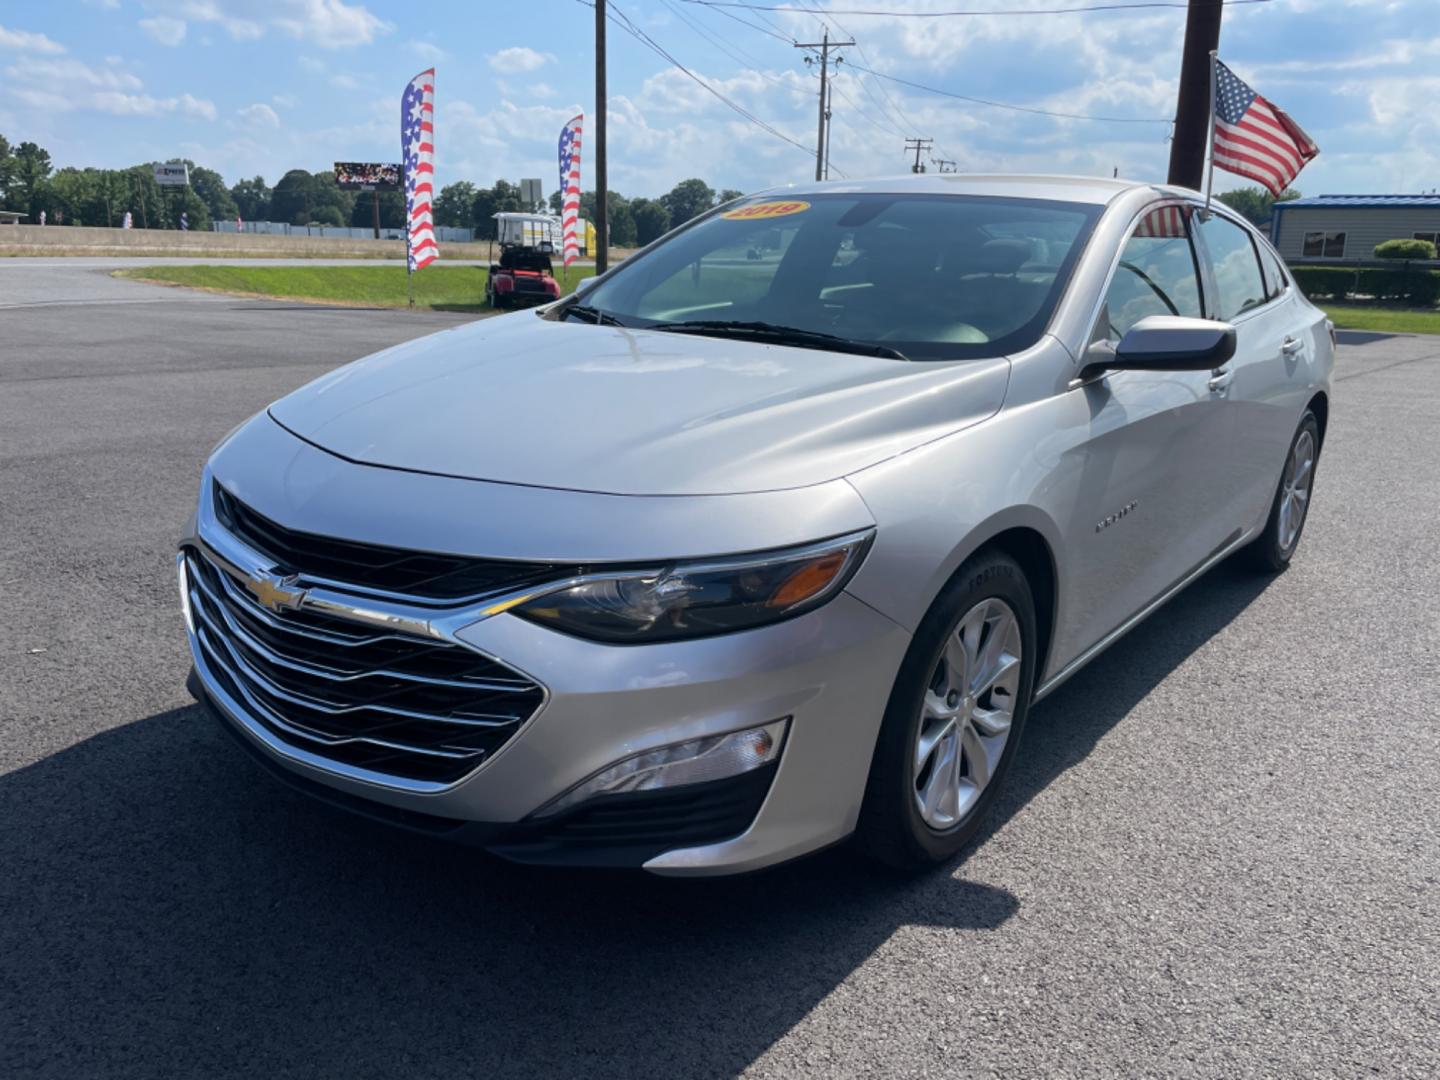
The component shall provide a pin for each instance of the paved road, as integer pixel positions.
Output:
(1218, 855)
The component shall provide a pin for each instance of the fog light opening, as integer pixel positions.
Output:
(715, 757)
(183, 574)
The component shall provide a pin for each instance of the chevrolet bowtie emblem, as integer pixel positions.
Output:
(274, 592)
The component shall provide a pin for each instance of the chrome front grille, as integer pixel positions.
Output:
(419, 708)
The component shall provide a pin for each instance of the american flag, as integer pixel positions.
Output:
(1255, 138)
(417, 151)
(570, 186)
(1164, 222)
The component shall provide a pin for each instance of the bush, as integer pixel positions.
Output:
(1405, 249)
(1416, 287)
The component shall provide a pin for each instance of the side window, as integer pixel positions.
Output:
(1156, 274)
(1237, 270)
(1276, 279)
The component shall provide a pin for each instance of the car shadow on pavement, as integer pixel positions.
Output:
(168, 909)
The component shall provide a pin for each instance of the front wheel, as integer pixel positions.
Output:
(954, 717)
(1272, 550)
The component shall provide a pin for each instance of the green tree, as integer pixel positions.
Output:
(453, 206)
(730, 194)
(688, 199)
(392, 210)
(1255, 204)
(7, 169)
(32, 167)
(652, 219)
(291, 199)
(252, 199)
(503, 197)
(557, 201)
(209, 186)
(619, 215)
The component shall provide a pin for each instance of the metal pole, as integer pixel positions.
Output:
(1202, 37)
(820, 135)
(822, 124)
(375, 206)
(602, 189)
(1210, 137)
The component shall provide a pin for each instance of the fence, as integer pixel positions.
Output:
(444, 234)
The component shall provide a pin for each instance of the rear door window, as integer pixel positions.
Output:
(1238, 280)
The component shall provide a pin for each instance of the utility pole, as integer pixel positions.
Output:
(824, 45)
(1192, 108)
(917, 145)
(942, 162)
(602, 183)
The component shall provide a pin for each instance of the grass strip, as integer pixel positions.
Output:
(1385, 320)
(441, 288)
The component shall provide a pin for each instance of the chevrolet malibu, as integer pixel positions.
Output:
(770, 537)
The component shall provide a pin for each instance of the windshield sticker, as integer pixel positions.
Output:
(765, 210)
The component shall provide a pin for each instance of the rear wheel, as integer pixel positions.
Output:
(954, 718)
(1272, 551)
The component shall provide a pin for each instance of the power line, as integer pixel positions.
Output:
(1144, 5)
(1014, 108)
(744, 59)
(625, 23)
(753, 25)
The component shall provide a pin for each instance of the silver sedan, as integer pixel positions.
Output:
(772, 535)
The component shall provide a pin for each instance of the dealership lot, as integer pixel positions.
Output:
(1219, 854)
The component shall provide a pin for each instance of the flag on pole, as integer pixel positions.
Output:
(417, 151)
(570, 187)
(1254, 138)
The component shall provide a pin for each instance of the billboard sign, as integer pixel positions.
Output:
(367, 176)
(175, 174)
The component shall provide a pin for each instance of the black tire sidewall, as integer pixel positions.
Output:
(892, 828)
(1273, 553)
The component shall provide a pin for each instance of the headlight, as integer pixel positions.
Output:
(698, 599)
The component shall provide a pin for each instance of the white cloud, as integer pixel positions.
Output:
(259, 115)
(344, 82)
(426, 51)
(164, 29)
(65, 85)
(517, 59)
(25, 41)
(286, 101)
(330, 24)
(541, 91)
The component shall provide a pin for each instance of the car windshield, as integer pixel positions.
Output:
(929, 277)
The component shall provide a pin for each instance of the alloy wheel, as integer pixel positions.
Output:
(967, 712)
(1295, 490)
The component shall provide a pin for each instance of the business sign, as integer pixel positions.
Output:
(173, 175)
(530, 191)
(367, 176)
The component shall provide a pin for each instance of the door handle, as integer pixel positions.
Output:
(1291, 345)
(1220, 380)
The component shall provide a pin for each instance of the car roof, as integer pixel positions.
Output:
(1079, 189)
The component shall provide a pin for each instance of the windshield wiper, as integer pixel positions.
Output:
(780, 335)
(593, 314)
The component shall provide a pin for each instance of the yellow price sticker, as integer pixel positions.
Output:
(756, 211)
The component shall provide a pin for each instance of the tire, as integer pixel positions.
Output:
(894, 827)
(1272, 551)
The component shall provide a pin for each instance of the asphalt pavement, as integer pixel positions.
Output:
(1217, 856)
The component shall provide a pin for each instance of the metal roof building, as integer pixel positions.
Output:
(1346, 228)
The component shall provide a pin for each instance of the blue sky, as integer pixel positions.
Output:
(260, 86)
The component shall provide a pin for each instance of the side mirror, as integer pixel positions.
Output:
(584, 285)
(1167, 343)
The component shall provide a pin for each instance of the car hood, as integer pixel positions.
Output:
(523, 400)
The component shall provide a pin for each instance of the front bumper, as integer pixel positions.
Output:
(830, 671)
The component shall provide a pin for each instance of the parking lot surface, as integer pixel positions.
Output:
(1219, 853)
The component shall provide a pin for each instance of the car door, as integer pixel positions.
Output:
(1152, 474)
(1266, 380)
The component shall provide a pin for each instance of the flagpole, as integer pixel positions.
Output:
(1210, 136)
